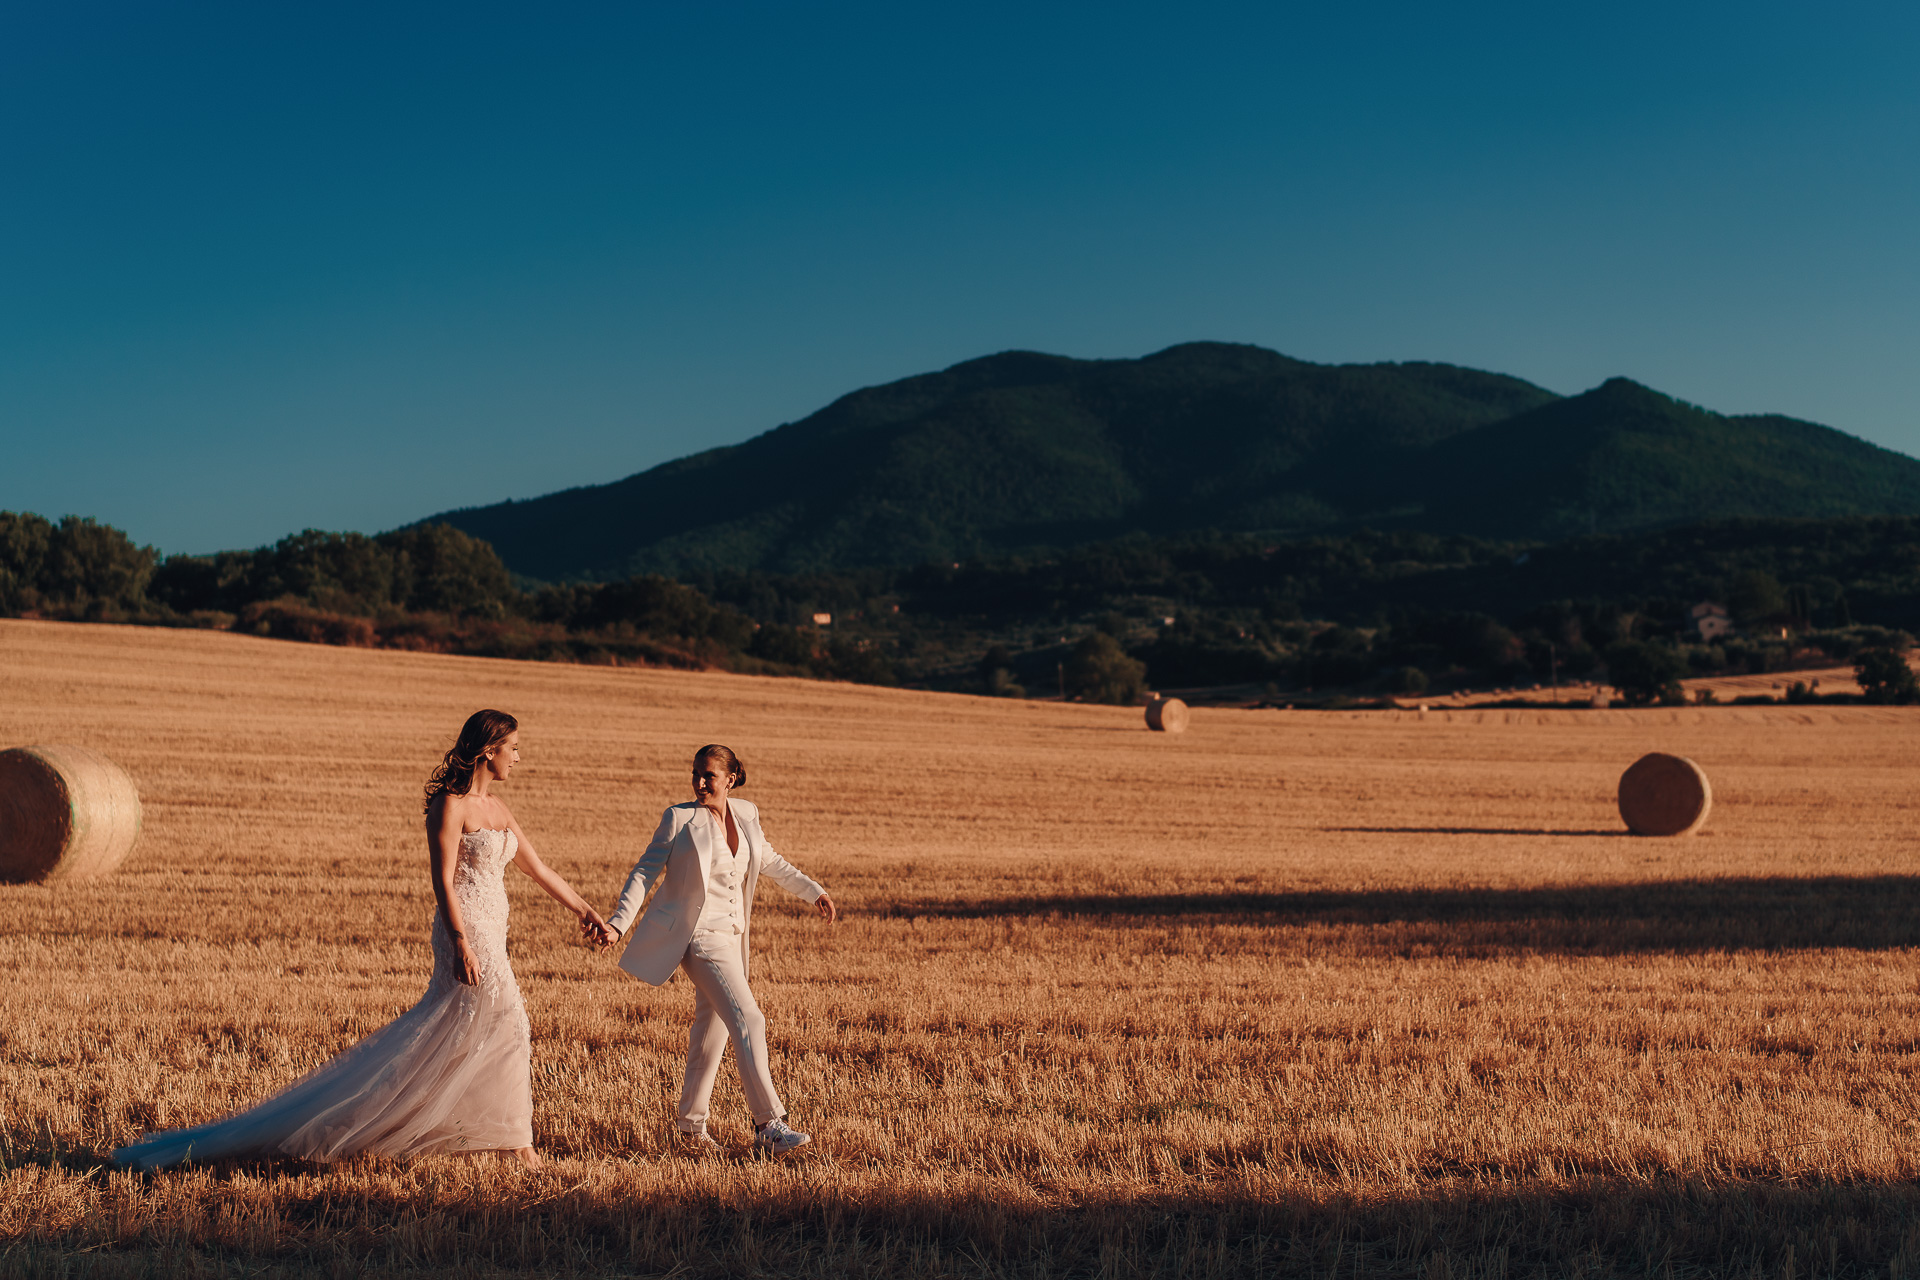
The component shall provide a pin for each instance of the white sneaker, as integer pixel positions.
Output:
(775, 1138)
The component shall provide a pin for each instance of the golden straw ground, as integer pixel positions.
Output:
(1285, 990)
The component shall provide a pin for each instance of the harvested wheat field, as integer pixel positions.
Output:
(1304, 993)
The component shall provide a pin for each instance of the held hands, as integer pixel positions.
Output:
(595, 931)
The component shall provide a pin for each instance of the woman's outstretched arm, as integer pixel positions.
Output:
(794, 880)
(528, 860)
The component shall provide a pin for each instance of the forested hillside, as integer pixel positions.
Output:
(1366, 613)
(1024, 454)
(1016, 452)
(1622, 457)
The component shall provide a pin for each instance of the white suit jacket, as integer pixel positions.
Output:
(680, 858)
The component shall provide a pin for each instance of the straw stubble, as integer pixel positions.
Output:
(1335, 976)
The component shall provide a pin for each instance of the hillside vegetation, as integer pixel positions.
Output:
(429, 588)
(1622, 458)
(1033, 454)
(1391, 612)
(1368, 612)
(1211, 515)
(1013, 452)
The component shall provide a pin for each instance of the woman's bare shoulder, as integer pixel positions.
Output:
(446, 820)
(467, 813)
(443, 808)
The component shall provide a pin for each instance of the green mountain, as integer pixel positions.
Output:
(1022, 451)
(1009, 452)
(1622, 458)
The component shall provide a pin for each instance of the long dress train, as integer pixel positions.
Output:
(450, 1074)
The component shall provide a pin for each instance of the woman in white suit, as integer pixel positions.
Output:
(708, 857)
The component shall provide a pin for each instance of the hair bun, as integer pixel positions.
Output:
(714, 751)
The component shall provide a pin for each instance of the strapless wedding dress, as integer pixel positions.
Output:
(450, 1074)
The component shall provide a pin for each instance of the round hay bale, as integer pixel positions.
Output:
(1663, 795)
(65, 813)
(1167, 715)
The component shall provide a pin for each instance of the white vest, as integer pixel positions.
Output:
(721, 911)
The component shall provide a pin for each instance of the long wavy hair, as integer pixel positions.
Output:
(483, 731)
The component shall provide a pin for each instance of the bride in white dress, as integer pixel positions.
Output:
(452, 1073)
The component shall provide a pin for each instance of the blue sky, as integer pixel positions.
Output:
(269, 267)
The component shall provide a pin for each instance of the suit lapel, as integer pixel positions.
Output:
(702, 832)
(749, 846)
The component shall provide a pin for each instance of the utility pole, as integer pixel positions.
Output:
(1553, 665)
(1062, 668)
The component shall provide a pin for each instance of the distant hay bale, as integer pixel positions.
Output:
(65, 814)
(1663, 795)
(1167, 715)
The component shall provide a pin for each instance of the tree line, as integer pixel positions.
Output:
(1376, 612)
(429, 587)
(1368, 612)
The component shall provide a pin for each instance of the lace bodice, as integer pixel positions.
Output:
(480, 891)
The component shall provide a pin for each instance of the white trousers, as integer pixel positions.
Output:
(724, 1009)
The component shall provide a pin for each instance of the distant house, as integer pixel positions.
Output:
(1710, 621)
(822, 619)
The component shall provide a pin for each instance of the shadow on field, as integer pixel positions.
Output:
(1596, 1226)
(1864, 912)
